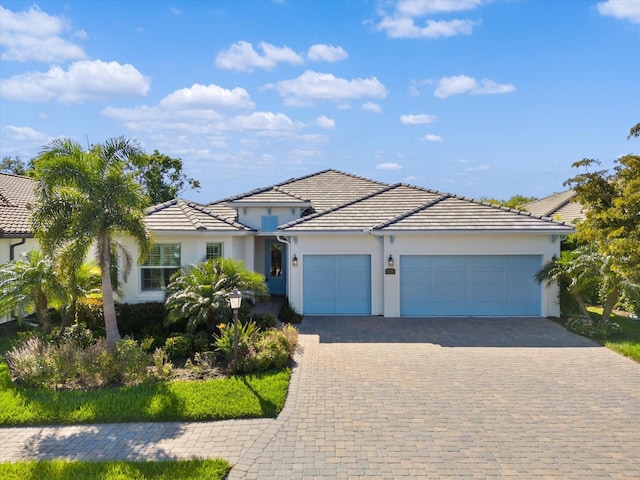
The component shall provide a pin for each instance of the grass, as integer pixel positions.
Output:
(628, 342)
(115, 470)
(249, 396)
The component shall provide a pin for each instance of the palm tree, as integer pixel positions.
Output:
(200, 292)
(85, 198)
(28, 285)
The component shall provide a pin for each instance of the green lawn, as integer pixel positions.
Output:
(248, 396)
(627, 343)
(115, 470)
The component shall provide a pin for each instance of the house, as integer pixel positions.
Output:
(340, 244)
(17, 195)
(560, 206)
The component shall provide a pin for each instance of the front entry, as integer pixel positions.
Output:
(276, 267)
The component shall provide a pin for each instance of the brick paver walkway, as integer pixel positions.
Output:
(408, 398)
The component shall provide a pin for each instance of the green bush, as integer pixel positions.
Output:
(142, 319)
(264, 321)
(224, 341)
(593, 328)
(287, 314)
(65, 361)
(178, 346)
(89, 312)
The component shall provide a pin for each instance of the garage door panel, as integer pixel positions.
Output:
(476, 285)
(337, 284)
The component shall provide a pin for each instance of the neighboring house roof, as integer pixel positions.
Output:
(561, 206)
(17, 195)
(180, 215)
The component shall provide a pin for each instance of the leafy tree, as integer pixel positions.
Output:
(161, 176)
(612, 223)
(30, 284)
(87, 197)
(516, 202)
(199, 293)
(13, 165)
(635, 131)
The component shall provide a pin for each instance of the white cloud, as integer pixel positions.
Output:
(413, 8)
(621, 9)
(405, 20)
(326, 122)
(405, 27)
(326, 53)
(430, 137)
(268, 121)
(23, 134)
(84, 80)
(242, 57)
(371, 107)
(460, 84)
(35, 35)
(479, 168)
(312, 86)
(417, 119)
(207, 96)
(388, 166)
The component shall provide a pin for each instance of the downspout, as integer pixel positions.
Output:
(13, 246)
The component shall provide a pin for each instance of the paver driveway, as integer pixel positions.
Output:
(409, 398)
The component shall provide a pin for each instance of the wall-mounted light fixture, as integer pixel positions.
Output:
(390, 261)
(294, 260)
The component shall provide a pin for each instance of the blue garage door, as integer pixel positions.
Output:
(337, 284)
(469, 285)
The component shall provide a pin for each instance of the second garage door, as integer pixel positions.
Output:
(469, 285)
(337, 284)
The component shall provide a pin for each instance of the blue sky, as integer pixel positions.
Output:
(481, 98)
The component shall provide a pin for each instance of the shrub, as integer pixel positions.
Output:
(264, 321)
(27, 362)
(593, 329)
(271, 351)
(287, 314)
(141, 319)
(66, 361)
(162, 366)
(178, 346)
(224, 341)
(89, 312)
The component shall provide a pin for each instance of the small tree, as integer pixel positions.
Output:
(199, 293)
(30, 284)
(85, 198)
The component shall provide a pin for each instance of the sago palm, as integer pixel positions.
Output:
(199, 293)
(30, 284)
(85, 197)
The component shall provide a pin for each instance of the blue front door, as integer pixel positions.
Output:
(276, 267)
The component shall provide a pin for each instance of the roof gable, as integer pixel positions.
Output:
(559, 205)
(180, 215)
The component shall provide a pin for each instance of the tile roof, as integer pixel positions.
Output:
(407, 208)
(180, 215)
(17, 195)
(561, 206)
(271, 196)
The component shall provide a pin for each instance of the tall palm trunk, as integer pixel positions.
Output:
(42, 311)
(108, 304)
(610, 302)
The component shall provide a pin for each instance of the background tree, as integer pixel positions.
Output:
(612, 224)
(517, 201)
(199, 293)
(13, 165)
(30, 284)
(161, 176)
(87, 197)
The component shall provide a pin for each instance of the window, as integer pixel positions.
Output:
(269, 223)
(214, 250)
(163, 261)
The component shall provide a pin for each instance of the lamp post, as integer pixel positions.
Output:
(235, 299)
